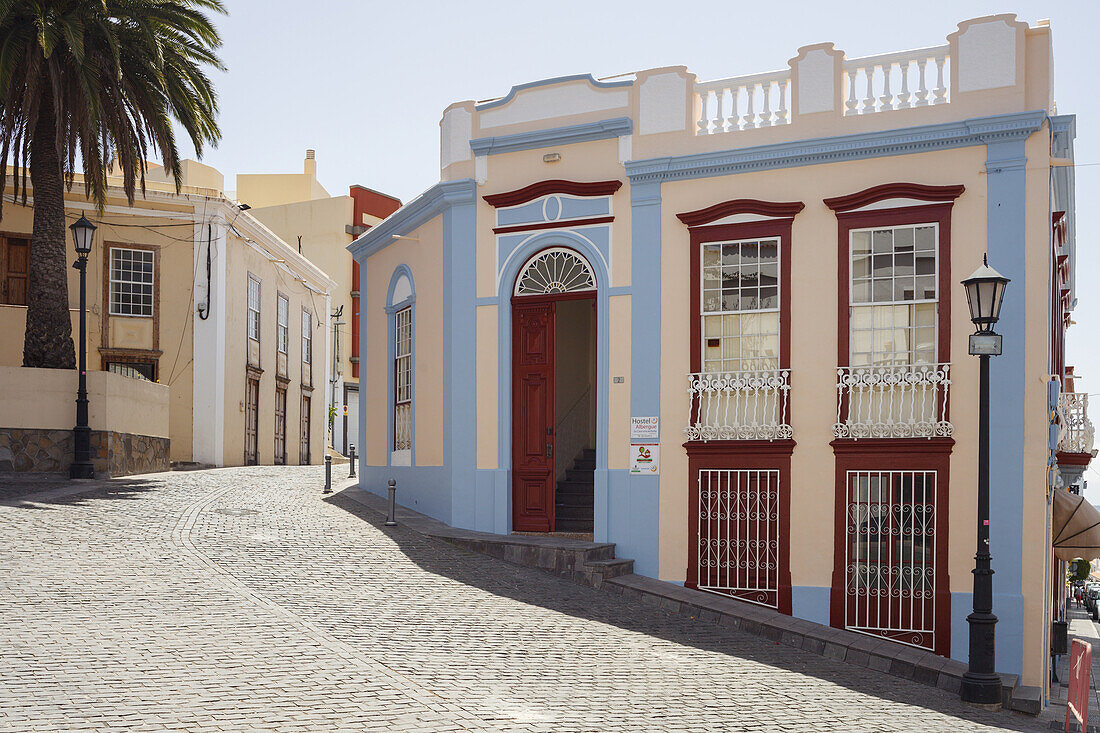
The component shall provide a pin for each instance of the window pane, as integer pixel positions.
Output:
(861, 243)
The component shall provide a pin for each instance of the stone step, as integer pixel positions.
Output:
(584, 465)
(566, 512)
(570, 524)
(580, 476)
(585, 500)
(575, 487)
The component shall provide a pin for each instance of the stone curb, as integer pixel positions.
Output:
(593, 564)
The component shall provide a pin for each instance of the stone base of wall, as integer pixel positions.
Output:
(31, 450)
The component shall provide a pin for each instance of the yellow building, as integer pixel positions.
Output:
(301, 212)
(189, 291)
(720, 324)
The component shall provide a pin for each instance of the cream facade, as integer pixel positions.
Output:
(779, 381)
(167, 303)
(302, 213)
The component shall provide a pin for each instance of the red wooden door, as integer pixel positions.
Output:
(533, 416)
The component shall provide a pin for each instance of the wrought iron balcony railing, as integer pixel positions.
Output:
(903, 401)
(1077, 433)
(743, 405)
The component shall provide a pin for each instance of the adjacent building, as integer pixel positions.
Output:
(187, 290)
(302, 213)
(719, 323)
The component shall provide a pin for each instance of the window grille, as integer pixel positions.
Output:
(890, 555)
(253, 308)
(740, 305)
(131, 282)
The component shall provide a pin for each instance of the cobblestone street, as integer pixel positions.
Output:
(236, 599)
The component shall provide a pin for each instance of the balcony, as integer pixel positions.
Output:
(744, 405)
(905, 401)
(1077, 434)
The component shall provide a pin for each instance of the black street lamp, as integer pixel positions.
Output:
(81, 467)
(981, 684)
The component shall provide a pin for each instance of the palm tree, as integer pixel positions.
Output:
(84, 83)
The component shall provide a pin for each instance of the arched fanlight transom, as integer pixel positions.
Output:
(556, 270)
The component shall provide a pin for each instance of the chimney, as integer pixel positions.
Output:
(310, 167)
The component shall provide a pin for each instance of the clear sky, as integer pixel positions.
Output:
(365, 82)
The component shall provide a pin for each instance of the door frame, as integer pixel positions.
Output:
(510, 269)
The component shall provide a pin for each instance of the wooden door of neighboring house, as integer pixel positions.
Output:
(303, 445)
(14, 266)
(280, 426)
(533, 416)
(252, 422)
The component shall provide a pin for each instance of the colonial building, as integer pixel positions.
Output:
(300, 211)
(185, 290)
(719, 323)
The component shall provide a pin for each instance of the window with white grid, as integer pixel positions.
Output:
(307, 337)
(740, 305)
(253, 308)
(283, 322)
(894, 295)
(402, 379)
(131, 282)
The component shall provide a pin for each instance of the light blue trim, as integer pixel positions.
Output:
(633, 502)
(601, 130)
(1063, 180)
(1006, 243)
(421, 209)
(961, 606)
(459, 255)
(490, 300)
(511, 268)
(422, 488)
(921, 139)
(391, 309)
(555, 80)
(811, 602)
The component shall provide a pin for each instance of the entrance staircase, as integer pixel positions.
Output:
(575, 495)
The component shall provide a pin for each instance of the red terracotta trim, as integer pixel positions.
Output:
(876, 454)
(874, 194)
(783, 447)
(542, 188)
(560, 224)
(775, 209)
(891, 447)
(1073, 459)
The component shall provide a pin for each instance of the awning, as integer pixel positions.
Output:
(1076, 527)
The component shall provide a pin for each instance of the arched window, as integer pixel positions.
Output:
(555, 270)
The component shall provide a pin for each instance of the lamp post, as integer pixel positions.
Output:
(981, 685)
(81, 467)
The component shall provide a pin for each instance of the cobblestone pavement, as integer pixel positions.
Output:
(236, 599)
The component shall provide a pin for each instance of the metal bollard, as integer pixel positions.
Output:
(328, 475)
(352, 451)
(391, 520)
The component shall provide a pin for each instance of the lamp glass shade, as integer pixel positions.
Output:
(82, 230)
(985, 290)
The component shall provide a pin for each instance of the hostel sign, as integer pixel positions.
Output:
(644, 451)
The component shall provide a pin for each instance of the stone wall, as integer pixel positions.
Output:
(36, 450)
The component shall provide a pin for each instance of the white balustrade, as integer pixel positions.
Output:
(897, 80)
(744, 405)
(906, 401)
(743, 102)
(1077, 433)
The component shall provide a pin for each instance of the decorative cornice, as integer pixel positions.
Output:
(925, 138)
(421, 209)
(558, 224)
(601, 130)
(544, 188)
(894, 447)
(546, 82)
(774, 209)
(917, 191)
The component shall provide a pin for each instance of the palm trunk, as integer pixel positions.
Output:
(48, 341)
